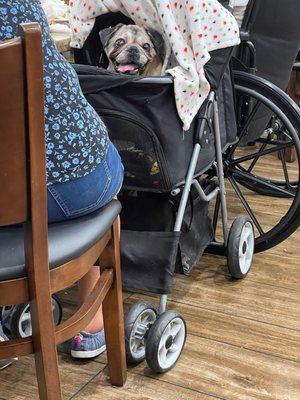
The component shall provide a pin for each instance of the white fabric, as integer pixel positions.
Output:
(55, 9)
(192, 29)
(57, 14)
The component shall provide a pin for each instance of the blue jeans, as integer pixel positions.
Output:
(84, 195)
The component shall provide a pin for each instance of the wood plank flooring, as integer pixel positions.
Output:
(243, 337)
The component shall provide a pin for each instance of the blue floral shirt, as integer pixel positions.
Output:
(76, 138)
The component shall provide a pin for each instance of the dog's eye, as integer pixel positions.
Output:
(119, 42)
(146, 46)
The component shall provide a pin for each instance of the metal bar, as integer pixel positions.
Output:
(253, 163)
(216, 214)
(203, 196)
(218, 146)
(274, 149)
(285, 170)
(245, 204)
(276, 142)
(187, 188)
(161, 80)
(162, 303)
(262, 182)
(190, 175)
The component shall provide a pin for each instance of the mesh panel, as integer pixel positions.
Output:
(141, 153)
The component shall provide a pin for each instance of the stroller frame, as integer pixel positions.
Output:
(211, 117)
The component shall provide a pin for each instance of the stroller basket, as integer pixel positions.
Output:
(150, 219)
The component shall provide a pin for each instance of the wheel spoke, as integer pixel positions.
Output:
(245, 204)
(166, 334)
(271, 150)
(163, 353)
(175, 329)
(262, 182)
(174, 348)
(25, 317)
(253, 163)
(216, 213)
(133, 344)
(285, 170)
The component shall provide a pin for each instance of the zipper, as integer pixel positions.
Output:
(155, 142)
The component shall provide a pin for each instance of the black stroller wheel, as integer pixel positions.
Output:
(165, 341)
(5, 318)
(138, 320)
(270, 119)
(20, 325)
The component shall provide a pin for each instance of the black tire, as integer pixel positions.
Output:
(155, 341)
(274, 99)
(5, 321)
(136, 311)
(18, 312)
(240, 249)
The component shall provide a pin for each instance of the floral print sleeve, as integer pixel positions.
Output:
(76, 138)
(192, 28)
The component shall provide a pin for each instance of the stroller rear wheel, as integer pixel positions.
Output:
(240, 247)
(260, 175)
(17, 320)
(165, 341)
(138, 320)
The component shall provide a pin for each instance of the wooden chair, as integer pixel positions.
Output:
(36, 259)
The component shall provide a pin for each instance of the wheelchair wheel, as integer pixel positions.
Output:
(20, 321)
(137, 321)
(165, 341)
(259, 175)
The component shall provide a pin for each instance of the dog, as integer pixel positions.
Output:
(133, 50)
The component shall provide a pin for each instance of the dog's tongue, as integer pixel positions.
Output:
(126, 68)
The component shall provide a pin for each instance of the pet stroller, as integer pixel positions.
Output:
(170, 181)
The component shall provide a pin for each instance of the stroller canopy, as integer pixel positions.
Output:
(192, 29)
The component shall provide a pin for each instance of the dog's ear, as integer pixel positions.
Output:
(107, 33)
(158, 42)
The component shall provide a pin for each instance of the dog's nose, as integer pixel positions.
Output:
(133, 50)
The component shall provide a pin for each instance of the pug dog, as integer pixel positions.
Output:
(133, 50)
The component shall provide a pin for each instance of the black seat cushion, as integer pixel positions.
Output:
(67, 240)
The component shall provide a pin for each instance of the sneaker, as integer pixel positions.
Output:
(88, 345)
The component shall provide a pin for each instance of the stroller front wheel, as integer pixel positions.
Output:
(138, 320)
(240, 247)
(165, 341)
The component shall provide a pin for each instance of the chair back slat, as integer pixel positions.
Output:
(13, 163)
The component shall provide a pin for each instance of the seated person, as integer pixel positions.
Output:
(84, 170)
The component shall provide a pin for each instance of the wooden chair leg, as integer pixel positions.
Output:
(113, 315)
(44, 346)
(43, 331)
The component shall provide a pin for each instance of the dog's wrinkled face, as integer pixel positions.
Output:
(130, 48)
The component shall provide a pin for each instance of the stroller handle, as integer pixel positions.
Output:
(166, 79)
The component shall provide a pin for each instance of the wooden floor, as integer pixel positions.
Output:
(243, 338)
